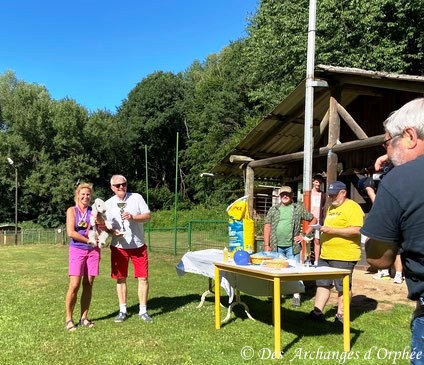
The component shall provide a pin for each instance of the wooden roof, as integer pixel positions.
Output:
(368, 96)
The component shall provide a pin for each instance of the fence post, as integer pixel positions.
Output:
(189, 235)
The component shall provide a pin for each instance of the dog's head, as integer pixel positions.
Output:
(100, 206)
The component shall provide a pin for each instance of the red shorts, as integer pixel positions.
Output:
(120, 259)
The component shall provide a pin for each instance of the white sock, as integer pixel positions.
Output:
(123, 308)
(398, 274)
(385, 272)
(296, 295)
(143, 309)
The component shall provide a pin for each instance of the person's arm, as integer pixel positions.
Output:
(317, 250)
(380, 162)
(267, 236)
(300, 238)
(142, 217)
(371, 193)
(142, 212)
(345, 232)
(70, 227)
(380, 255)
(311, 222)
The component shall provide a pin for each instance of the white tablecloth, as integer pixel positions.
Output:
(201, 263)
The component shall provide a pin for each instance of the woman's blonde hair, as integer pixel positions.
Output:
(80, 187)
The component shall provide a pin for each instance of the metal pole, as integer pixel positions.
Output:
(309, 99)
(11, 163)
(176, 196)
(16, 205)
(309, 115)
(147, 194)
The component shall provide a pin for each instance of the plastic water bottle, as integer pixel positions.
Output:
(307, 262)
(225, 254)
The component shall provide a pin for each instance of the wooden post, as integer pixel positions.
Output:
(249, 188)
(333, 138)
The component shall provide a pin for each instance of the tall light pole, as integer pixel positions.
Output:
(16, 198)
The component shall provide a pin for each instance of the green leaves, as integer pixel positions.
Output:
(212, 105)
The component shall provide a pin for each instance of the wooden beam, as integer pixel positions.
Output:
(240, 159)
(342, 147)
(351, 122)
(324, 123)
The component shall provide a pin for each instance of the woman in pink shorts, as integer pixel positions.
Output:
(84, 258)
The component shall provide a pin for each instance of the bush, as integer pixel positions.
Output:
(165, 218)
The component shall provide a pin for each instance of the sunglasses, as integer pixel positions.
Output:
(121, 185)
(386, 142)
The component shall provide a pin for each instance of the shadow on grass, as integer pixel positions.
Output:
(294, 321)
(158, 305)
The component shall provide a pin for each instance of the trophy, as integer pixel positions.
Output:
(121, 206)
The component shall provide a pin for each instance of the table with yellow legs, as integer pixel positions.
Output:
(278, 276)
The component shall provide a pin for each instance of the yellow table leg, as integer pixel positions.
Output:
(277, 318)
(217, 300)
(346, 314)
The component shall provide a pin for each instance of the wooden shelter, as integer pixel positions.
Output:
(350, 106)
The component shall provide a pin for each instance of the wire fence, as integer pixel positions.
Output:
(34, 236)
(197, 235)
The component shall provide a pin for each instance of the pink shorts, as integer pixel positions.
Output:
(120, 259)
(83, 262)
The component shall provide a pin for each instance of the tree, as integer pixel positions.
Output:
(379, 35)
(275, 50)
(217, 107)
(46, 140)
(151, 116)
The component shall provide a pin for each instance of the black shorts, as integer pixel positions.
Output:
(338, 283)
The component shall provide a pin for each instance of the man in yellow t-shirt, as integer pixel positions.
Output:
(340, 247)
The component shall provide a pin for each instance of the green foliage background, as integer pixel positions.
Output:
(57, 143)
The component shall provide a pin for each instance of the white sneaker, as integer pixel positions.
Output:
(381, 274)
(398, 279)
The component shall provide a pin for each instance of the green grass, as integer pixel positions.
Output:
(33, 281)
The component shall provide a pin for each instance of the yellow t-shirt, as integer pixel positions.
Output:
(349, 214)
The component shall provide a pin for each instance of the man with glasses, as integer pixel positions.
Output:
(128, 212)
(396, 220)
(340, 247)
(282, 229)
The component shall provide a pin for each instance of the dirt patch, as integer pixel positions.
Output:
(372, 294)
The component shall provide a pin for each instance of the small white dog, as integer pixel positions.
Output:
(98, 216)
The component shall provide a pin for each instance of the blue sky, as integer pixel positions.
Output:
(96, 51)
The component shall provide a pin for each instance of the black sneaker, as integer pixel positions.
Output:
(146, 318)
(313, 316)
(338, 320)
(121, 317)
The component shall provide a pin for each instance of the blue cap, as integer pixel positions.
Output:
(335, 187)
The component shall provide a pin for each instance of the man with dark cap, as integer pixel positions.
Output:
(340, 247)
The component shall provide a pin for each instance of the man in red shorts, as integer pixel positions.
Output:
(128, 212)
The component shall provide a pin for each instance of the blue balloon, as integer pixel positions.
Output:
(242, 257)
